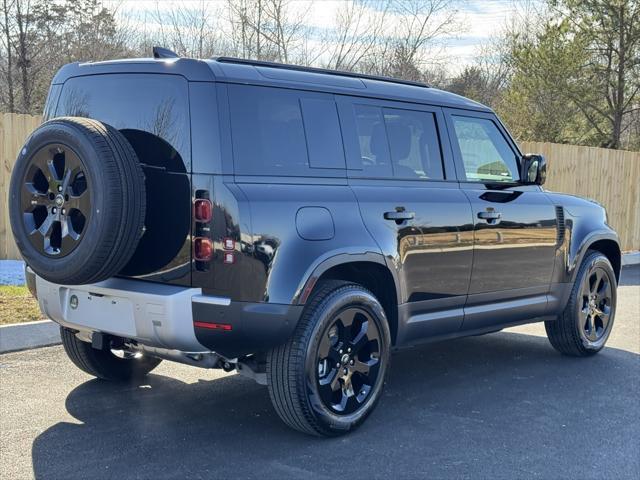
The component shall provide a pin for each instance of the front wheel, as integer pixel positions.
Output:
(585, 324)
(329, 376)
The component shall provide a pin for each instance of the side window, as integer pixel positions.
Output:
(485, 153)
(372, 138)
(281, 132)
(324, 140)
(150, 110)
(398, 143)
(268, 133)
(415, 148)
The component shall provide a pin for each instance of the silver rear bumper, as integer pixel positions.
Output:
(155, 315)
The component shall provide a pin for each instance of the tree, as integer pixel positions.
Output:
(394, 38)
(268, 29)
(19, 47)
(6, 65)
(189, 31)
(418, 26)
(538, 102)
(358, 29)
(471, 83)
(38, 37)
(577, 77)
(610, 29)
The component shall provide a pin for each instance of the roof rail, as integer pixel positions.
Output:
(160, 52)
(285, 66)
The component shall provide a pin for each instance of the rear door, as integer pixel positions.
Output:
(514, 224)
(402, 173)
(152, 111)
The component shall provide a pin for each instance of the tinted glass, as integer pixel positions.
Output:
(285, 132)
(267, 130)
(485, 153)
(398, 143)
(414, 145)
(372, 138)
(145, 107)
(324, 140)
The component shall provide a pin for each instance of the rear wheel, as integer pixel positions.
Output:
(584, 326)
(329, 376)
(105, 364)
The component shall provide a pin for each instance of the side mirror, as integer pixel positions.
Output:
(534, 169)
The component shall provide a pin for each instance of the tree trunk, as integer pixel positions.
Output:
(619, 103)
(22, 20)
(7, 34)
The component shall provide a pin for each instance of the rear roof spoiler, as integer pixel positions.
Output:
(160, 52)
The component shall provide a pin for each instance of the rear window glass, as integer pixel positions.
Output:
(372, 139)
(280, 132)
(414, 145)
(398, 143)
(322, 129)
(145, 107)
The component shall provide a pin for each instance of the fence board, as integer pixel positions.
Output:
(611, 177)
(14, 129)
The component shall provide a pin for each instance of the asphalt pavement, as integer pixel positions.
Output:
(504, 405)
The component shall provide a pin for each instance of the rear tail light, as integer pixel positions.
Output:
(202, 219)
(202, 249)
(202, 210)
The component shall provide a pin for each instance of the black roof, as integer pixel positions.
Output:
(225, 69)
(325, 71)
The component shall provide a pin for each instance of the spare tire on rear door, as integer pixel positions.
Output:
(77, 201)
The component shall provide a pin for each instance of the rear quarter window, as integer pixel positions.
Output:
(151, 110)
(280, 132)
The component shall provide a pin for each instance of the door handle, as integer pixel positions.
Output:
(399, 215)
(490, 215)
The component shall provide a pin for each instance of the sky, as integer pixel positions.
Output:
(480, 19)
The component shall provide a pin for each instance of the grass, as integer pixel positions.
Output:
(17, 305)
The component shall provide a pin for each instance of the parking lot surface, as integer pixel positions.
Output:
(504, 405)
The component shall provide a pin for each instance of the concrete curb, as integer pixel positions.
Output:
(631, 258)
(22, 336)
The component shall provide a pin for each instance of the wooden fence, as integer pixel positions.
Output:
(14, 129)
(612, 177)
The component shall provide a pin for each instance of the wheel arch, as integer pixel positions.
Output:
(603, 242)
(369, 270)
(610, 249)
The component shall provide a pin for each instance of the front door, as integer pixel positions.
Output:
(514, 225)
(402, 175)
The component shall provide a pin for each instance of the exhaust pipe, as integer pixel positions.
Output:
(196, 359)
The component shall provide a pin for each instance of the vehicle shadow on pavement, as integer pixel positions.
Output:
(503, 405)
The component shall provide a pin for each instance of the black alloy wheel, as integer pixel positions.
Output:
(77, 201)
(596, 301)
(328, 377)
(584, 326)
(348, 360)
(55, 200)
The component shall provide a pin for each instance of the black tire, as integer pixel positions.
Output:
(77, 201)
(103, 363)
(580, 331)
(293, 375)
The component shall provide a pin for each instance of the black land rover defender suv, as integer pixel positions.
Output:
(293, 224)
